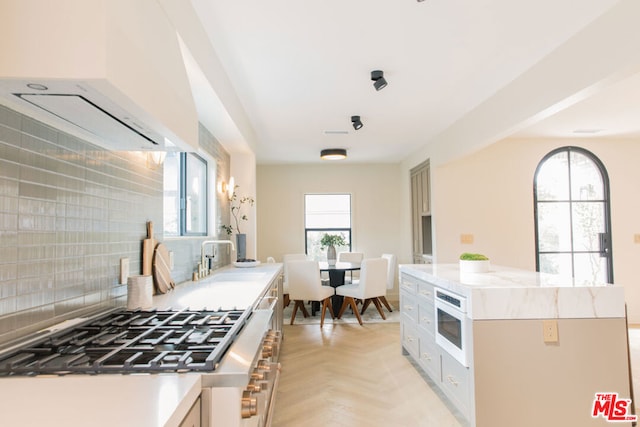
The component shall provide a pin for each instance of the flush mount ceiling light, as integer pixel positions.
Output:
(355, 121)
(378, 79)
(333, 154)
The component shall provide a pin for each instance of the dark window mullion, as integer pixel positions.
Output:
(573, 264)
(183, 194)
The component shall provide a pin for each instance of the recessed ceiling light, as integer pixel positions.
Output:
(333, 154)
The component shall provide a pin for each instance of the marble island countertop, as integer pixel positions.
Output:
(509, 293)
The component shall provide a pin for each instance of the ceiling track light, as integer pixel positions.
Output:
(355, 121)
(333, 154)
(379, 81)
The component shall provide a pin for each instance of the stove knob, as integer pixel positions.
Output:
(269, 350)
(263, 365)
(260, 375)
(254, 386)
(249, 405)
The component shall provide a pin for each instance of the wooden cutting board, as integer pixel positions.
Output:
(162, 280)
(148, 246)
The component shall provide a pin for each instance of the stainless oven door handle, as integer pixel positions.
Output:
(272, 400)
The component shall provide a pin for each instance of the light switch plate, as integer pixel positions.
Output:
(466, 238)
(550, 330)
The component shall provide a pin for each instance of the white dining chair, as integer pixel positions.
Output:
(353, 257)
(305, 285)
(372, 285)
(392, 261)
(285, 285)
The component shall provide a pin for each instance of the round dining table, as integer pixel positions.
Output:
(336, 278)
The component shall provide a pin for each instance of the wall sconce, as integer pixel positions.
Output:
(155, 159)
(227, 187)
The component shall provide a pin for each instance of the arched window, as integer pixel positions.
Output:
(572, 216)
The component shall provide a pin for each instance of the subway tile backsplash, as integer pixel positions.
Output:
(69, 210)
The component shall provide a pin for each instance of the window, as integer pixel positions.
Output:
(572, 216)
(326, 213)
(185, 195)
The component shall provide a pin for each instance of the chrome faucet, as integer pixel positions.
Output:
(203, 266)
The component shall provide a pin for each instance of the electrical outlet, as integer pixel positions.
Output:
(550, 330)
(124, 270)
(466, 238)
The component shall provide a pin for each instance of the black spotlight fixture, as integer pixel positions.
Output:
(333, 154)
(355, 121)
(378, 79)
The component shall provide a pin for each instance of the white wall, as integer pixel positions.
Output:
(490, 194)
(377, 208)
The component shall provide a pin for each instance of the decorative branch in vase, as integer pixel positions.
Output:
(237, 205)
(330, 241)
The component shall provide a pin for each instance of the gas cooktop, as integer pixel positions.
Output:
(131, 342)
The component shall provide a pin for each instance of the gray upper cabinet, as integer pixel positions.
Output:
(421, 212)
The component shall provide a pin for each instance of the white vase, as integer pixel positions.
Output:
(331, 255)
(474, 266)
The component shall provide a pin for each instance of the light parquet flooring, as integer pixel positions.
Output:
(347, 375)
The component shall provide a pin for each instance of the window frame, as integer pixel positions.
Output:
(347, 230)
(606, 200)
(182, 187)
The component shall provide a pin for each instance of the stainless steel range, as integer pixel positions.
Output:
(236, 353)
(132, 341)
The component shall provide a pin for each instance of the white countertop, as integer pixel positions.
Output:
(98, 400)
(228, 288)
(143, 400)
(509, 293)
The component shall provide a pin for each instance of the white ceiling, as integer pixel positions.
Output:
(300, 68)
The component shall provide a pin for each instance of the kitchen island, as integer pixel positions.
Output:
(144, 399)
(513, 347)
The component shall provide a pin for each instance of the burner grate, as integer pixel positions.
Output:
(131, 342)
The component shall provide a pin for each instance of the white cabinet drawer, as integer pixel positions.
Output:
(409, 306)
(425, 291)
(456, 382)
(426, 320)
(410, 338)
(408, 283)
(429, 356)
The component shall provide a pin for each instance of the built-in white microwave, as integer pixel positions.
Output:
(451, 324)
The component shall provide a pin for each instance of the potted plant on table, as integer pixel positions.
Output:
(473, 263)
(330, 241)
(236, 212)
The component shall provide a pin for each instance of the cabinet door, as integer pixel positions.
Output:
(423, 177)
(409, 307)
(416, 206)
(456, 383)
(429, 356)
(426, 318)
(193, 416)
(420, 204)
(410, 339)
